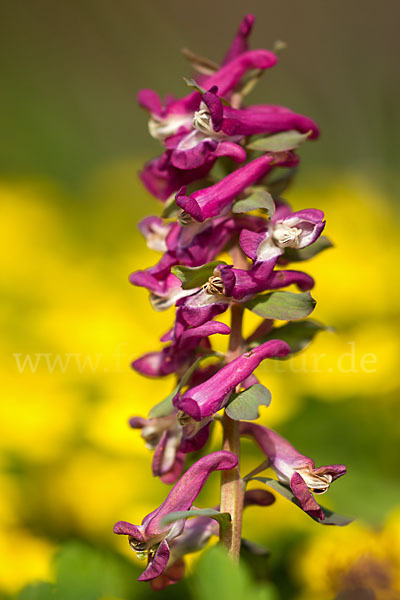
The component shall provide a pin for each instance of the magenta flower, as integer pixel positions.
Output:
(165, 288)
(171, 439)
(163, 435)
(294, 469)
(240, 41)
(286, 229)
(156, 231)
(219, 119)
(201, 147)
(209, 397)
(151, 538)
(212, 201)
(162, 179)
(241, 284)
(178, 356)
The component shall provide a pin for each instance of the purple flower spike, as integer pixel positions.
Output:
(285, 230)
(293, 468)
(210, 396)
(151, 538)
(209, 202)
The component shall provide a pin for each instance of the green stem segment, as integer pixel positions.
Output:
(232, 486)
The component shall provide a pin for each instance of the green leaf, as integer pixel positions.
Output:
(244, 405)
(165, 407)
(37, 591)
(223, 518)
(193, 277)
(279, 142)
(217, 576)
(260, 198)
(285, 306)
(321, 244)
(83, 572)
(298, 335)
(331, 518)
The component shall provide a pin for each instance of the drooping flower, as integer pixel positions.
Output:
(195, 536)
(163, 435)
(209, 397)
(151, 539)
(286, 229)
(293, 468)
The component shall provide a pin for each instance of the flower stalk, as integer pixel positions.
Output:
(232, 486)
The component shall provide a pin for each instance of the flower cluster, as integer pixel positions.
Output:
(213, 206)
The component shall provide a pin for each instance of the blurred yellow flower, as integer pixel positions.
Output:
(350, 558)
(24, 558)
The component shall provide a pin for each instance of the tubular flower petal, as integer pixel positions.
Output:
(209, 202)
(294, 469)
(252, 120)
(209, 397)
(240, 41)
(151, 538)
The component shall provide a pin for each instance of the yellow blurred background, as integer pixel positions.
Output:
(71, 323)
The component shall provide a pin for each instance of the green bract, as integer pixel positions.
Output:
(244, 405)
(285, 306)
